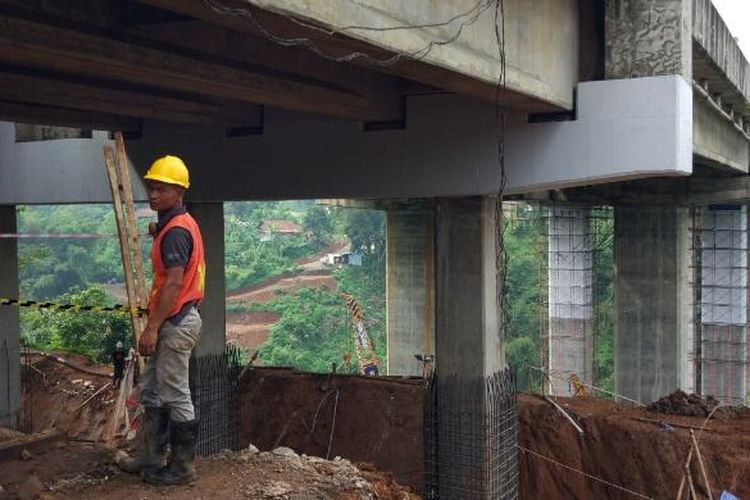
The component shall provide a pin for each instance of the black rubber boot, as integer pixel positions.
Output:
(154, 434)
(181, 467)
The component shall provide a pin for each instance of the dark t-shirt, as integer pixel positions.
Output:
(176, 249)
(118, 358)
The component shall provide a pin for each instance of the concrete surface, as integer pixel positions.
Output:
(468, 341)
(625, 129)
(570, 269)
(210, 218)
(10, 334)
(410, 289)
(541, 37)
(715, 141)
(723, 344)
(653, 302)
(648, 38)
(715, 39)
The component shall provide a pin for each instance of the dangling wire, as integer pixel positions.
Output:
(501, 256)
(468, 18)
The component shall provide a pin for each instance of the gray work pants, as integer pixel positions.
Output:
(164, 382)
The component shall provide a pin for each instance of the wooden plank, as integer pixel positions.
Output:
(104, 97)
(29, 43)
(26, 112)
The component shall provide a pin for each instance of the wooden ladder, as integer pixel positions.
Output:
(127, 229)
(132, 262)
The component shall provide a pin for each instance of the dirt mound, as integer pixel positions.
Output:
(625, 446)
(67, 392)
(681, 403)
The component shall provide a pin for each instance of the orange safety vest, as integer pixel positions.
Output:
(194, 279)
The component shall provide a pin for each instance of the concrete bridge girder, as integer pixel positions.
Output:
(624, 129)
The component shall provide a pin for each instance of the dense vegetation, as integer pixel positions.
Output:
(315, 328)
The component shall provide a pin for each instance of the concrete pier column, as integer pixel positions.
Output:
(10, 365)
(648, 38)
(570, 268)
(410, 288)
(468, 340)
(210, 217)
(474, 401)
(723, 276)
(653, 302)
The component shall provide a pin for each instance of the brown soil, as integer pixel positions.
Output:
(251, 330)
(267, 291)
(631, 453)
(376, 420)
(379, 421)
(58, 390)
(87, 471)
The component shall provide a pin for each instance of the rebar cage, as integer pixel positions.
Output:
(213, 386)
(470, 437)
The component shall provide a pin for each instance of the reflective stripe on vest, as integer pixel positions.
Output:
(194, 278)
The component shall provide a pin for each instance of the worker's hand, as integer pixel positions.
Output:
(147, 342)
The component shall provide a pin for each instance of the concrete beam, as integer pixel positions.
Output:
(625, 129)
(727, 65)
(541, 40)
(10, 333)
(410, 288)
(716, 141)
(56, 47)
(23, 112)
(108, 97)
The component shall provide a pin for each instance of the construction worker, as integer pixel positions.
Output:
(172, 331)
(118, 361)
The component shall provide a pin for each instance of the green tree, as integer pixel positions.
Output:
(86, 332)
(313, 332)
(319, 225)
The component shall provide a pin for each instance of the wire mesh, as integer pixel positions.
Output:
(213, 386)
(471, 437)
(719, 260)
(573, 247)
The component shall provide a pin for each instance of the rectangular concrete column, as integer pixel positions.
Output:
(474, 402)
(648, 38)
(210, 218)
(723, 277)
(468, 340)
(410, 288)
(570, 268)
(10, 365)
(653, 302)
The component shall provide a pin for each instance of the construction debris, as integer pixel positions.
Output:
(681, 403)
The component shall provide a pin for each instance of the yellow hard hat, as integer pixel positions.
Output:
(169, 169)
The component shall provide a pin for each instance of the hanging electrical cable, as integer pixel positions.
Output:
(468, 18)
(501, 256)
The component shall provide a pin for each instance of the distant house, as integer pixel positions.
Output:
(278, 227)
(342, 259)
